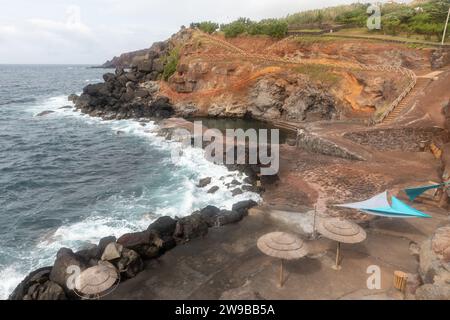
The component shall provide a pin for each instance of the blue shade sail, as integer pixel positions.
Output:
(413, 193)
(380, 206)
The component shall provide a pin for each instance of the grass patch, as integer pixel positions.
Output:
(171, 63)
(319, 72)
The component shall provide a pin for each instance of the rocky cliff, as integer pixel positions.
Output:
(294, 79)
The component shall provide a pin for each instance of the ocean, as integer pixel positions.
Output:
(67, 180)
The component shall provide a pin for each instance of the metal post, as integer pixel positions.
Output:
(314, 234)
(445, 28)
(281, 273)
(338, 257)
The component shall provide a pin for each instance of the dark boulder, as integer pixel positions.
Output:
(190, 227)
(60, 272)
(210, 214)
(213, 189)
(269, 179)
(109, 77)
(227, 217)
(103, 243)
(161, 108)
(89, 255)
(146, 243)
(73, 98)
(145, 66)
(44, 113)
(141, 93)
(130, 263)
(236, 192)
(37, 286)
(204, 182)
(127, 96)
(83, 101)
(96, 90)
(235, 182)
(243, 206)
(119, 71)
(158, 65)
(163, 226)
(132, 76)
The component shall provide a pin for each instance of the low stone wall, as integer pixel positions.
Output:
(317, 144)
(403, 139)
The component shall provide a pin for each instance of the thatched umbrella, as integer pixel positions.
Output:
(341, 230)
(282, 245)
(96, 280)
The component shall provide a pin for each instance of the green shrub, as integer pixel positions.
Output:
(276, 28)
(206, 26)
(170, 66)
(271, 27)
(235, 28)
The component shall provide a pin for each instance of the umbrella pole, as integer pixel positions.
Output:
(281, 273)
(338, 257)
(314, 234)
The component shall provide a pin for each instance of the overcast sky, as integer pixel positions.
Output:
(92, 31)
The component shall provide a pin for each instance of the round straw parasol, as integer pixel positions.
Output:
(97, 279)
(282, 245)
(341, 230)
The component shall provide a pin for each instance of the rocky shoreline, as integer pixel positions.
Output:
(127, 253)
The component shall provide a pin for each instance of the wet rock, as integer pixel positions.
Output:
(190, 227)
(213, 189)
(65, 258)
(130, 263)
(44, 113)
(73, 97)
(235, 182)
(236, 192)
(204, 182)
(37, 286)
(227, 217)
(65, 107)
(210, 214)
(163, 226)
(243, 206)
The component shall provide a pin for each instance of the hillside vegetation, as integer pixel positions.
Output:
(425, 18)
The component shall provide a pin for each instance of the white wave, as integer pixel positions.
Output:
(192, 167)
(10, 277)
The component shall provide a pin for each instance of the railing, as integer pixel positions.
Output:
(387, 68)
